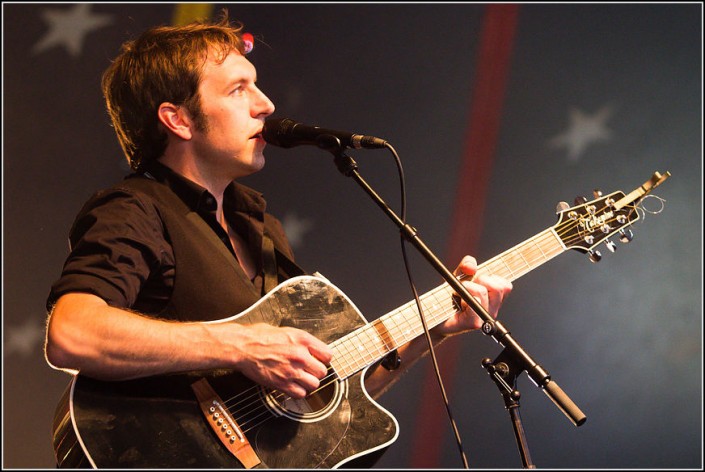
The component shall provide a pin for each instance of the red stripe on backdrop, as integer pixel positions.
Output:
(492, 68)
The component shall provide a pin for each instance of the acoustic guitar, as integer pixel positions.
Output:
(224, 420)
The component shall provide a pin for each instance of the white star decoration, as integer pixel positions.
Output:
(68, 27)
(583, 131)
(295, 228)
(25, 339)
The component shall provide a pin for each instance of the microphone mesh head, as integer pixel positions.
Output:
(276, 131)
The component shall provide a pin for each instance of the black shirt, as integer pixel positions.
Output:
(121, 252)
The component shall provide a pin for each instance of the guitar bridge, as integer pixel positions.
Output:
(224, 425)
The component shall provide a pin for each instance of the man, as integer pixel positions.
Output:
(179, 242)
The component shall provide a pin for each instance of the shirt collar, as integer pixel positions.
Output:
(237, 197)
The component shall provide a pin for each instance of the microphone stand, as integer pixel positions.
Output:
(514, 359)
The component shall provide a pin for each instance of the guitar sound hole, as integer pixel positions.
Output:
(314, 407)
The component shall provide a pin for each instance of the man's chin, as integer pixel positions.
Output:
(254, 166)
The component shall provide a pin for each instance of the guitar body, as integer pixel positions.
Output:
(157, 422)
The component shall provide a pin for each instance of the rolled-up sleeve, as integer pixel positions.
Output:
(118, 243)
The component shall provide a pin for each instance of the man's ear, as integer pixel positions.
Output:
(175, 119)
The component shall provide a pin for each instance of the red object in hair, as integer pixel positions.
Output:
(249, 41)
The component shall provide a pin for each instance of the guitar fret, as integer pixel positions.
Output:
(358, 348)
(405, 328)
(344, 370)
(375, 344)
(524, 257)
(540, 249)
(362, 348)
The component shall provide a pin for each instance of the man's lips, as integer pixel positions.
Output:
(258, 139)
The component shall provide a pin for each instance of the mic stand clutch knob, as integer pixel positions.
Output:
(504, 375)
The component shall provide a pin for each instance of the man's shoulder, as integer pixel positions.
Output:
(132, 186)
(134, 191)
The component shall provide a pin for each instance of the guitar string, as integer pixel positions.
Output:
(561, 229)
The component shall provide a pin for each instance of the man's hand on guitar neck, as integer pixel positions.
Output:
(489, 290)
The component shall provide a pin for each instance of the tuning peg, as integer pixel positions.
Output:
(594, 256)
(562, 206)
(580, 200)
(597, 193)
(611, 245)
(625, 236)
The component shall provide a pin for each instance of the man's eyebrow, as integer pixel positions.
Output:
(242, 79)
(235, 82)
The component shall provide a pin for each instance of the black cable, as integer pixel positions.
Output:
(402, 181)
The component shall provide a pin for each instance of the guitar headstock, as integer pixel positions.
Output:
(590, 223)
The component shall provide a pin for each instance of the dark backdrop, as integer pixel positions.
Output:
(592, 96)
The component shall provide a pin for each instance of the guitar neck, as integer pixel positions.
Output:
(370, 343)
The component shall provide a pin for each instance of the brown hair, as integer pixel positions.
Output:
(164, 64)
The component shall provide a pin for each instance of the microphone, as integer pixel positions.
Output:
(287, 133)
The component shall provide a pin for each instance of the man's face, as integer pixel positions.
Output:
(234, 110)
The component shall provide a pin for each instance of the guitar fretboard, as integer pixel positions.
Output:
(370, 343)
